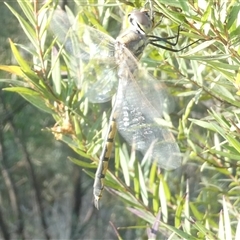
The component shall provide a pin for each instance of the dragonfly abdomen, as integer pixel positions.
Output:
(103, 162)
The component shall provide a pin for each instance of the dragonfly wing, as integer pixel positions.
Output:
(91, 56)
(141, 100)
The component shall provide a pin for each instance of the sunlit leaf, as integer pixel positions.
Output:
(31, 96)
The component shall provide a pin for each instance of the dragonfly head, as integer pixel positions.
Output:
(141, 21)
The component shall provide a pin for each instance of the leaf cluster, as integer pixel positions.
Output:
(200, 200)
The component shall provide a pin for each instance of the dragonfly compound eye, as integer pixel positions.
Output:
(141, 20)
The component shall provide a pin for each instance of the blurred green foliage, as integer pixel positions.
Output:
(200, 200)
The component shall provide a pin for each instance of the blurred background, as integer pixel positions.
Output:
(46, 195)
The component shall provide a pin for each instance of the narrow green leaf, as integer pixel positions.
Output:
(124, 164)
(187, 225)
(178, 213)
(29, 31)
(228, 97)
(203, 124)
(163, 200)
(203, 230)
(227, 222)
(14, 82)
(174, 3)
(155, 193)
(198, 48)
(143, 188)
(234, 142)
(43, 26)
(73, 144)
(237, 235)
(77, 128)
(174, 16)
(151, 219)
(224, 66)
(207, 7)
(232, 16)
(185, 6)
(19, 58)
(153, 174)
(220, 119)
(56, 71)
(94, 22)
(195, 211)
(225, 154)
(27, 8)
(126, 197)
(117, 161)
(145, 215)
(137, 186)
(31, 96)
(16, 70)
(221, 231)
(81, 163)
(207, 58)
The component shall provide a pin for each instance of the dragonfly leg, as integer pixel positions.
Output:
(153, 39)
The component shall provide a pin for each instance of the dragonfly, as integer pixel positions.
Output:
(104, 66)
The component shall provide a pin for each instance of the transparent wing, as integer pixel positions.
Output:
(92, 62)
(141, 100)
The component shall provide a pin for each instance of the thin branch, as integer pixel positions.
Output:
(21, 144)
(11, 187)
(3, 227)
